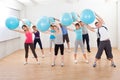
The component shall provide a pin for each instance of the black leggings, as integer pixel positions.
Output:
(39, 42)
(26, 45)
(86, 38)
(57, 46)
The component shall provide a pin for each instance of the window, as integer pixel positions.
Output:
(5, 33)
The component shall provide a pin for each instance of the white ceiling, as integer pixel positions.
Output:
(36, 2)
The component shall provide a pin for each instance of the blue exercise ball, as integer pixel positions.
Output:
(74, 16)
(51, 20)
(66, 19)
(87, 16)
(12, 23)
(43, 24)
(27, 22)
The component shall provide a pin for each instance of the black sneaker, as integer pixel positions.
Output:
(94, 65)
(113, 65)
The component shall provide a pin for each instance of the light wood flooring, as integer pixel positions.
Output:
(12, 67)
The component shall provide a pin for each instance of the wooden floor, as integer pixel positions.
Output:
(12, 67)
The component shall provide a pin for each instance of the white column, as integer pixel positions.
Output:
(118, 22)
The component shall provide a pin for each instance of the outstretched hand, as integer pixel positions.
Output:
(78, 15)
(56, 19)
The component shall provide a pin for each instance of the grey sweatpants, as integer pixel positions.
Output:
(77, 43)
(104, 45)
(52, 41)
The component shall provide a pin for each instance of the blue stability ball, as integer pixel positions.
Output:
(51, 20)
(12, 23)
(87, 16)
(74, 16)
(27, 22)
(66, 19)
(43, 24)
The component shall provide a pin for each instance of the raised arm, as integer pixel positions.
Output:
(99, 18)
(20, 31)
(73, 24)
(46, 32)
(70, 29)
(57, 19)
(59, 27)
(90, 28)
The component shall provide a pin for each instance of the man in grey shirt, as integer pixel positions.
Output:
(85, 35)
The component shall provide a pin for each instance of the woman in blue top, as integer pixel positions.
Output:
(37, 39)
(52, 37)
(78, 41)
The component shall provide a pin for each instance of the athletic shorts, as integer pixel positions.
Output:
(66, 38)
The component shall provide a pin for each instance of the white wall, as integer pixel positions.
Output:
(12, 4)
(9, 46)
(107, 10)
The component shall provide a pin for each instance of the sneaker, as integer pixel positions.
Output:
(86, 61)
(94, 65)
(53, 64)
(43, 56)
(113, 65)
(25, 63)
(75, 61)
(62, 64)
(38, 62)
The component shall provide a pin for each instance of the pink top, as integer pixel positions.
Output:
(28, 35)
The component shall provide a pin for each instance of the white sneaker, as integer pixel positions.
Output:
(75, 61)
(53, 64)
(38, 62)
(43, 56)
(25, 63)
(86, 61)
(62, 64)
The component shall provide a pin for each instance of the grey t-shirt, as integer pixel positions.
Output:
(84, 30)
(58, 38)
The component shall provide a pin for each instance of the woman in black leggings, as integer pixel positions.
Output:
(58, 44)
(28, 42)
(37, 39)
